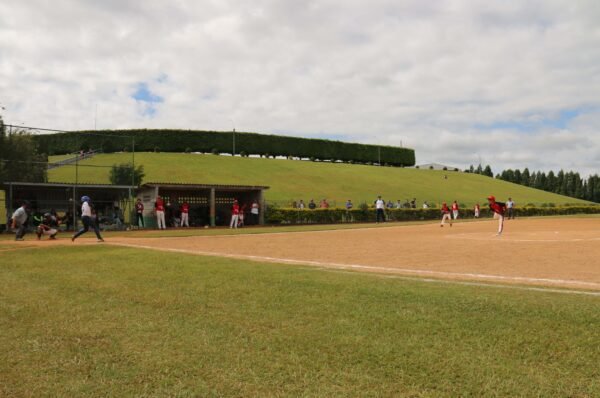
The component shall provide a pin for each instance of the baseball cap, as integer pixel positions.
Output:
(85, 199)
(491, 197)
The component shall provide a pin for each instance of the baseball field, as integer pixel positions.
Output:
(406, 309)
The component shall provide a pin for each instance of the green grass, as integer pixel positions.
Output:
(104, 321)
(293, 180)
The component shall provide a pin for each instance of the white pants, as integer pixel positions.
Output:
(476, 213)
(445, 217)
(500, 222)
(185, 219)
(160, 219)
(455, 213)
(50, 232)
(234, 221)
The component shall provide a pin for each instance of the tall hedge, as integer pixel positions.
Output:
(222, 142)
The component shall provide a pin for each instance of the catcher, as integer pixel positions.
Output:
(46, 227)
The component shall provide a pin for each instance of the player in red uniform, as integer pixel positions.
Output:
(185, 214)
(46, 227)
(235, 214)
(455, 209)
(445, 214)
(498, 208)
(159, 206)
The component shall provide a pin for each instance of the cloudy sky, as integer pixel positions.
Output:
(513, 83)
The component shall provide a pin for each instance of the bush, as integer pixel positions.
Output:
(277, 215)
(251, 143)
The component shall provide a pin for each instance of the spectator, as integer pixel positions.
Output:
(398, 204)
(510, 205)
(349, 205)
(294, 205)
(476, 211)
(390, 204)
(139, 213)
(19, 220)
(235, 215)
(312, 205)
(406, 204)
(68, 220)
(159, 207)
(324, 204)
(301, 204)
(254, 211)
(117, 216)
(413, 203)
(379, 206)
(185, 214)
(425, 205)
(455, 209)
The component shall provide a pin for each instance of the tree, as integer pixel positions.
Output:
(488, 171)
(19, 157)
(125, 173)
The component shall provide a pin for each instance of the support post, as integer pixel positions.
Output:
(263, 208)
(213, 208)
(9, 203)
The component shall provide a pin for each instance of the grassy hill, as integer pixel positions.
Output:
(293, 180)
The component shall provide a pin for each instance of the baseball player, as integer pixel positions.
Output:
(19, 220)
(379, 208)
(499, 209)
(88, 221)
(455, 209)
(159, 208)
(45, 227)
(185, 214)
(445, 215)
(235, 215)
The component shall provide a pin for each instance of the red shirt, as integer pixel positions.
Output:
(497, 207)
(139, 207)
(235, 209)
(185, 208)
(445, 209)
(454, 206)
(160, 205)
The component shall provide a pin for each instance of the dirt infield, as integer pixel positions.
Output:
(558, 252)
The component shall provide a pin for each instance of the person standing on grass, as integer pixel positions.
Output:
(379, 209)
(235, 215)
(510, 206)
(499, 209)
(159, 207)
(476, 210)
(88, 221)
(185, 214)
(445, 215)
(455, 209)
(19, 220)
(139, 213)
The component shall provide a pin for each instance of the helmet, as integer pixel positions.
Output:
(491, 197)
(47, 215)
(85, 199)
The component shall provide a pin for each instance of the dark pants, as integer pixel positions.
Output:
(139, 219)
(21, 229)
(380, 215)
(510, 214)
(88, 223)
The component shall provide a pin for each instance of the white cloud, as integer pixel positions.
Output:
(456, 80)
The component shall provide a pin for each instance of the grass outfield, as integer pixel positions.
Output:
(105, 321)
(293, 180)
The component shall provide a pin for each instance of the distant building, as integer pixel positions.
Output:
(435, 166)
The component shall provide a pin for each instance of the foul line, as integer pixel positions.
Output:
(387, 269)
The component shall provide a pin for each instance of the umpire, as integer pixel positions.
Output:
(19, 220)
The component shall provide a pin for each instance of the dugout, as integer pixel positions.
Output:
(65, 197)
(209, 204)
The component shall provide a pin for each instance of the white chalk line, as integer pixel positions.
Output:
(378, 268)
(505, 238)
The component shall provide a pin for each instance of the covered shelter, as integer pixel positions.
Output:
(210, 204)
(65, 199)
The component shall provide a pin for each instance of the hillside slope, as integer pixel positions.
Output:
(293, 180)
